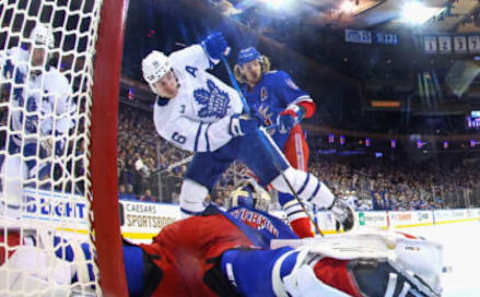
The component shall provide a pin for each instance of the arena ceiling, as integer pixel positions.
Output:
(448, 16)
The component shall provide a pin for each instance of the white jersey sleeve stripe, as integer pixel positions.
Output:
(197, 137)
(206, 137)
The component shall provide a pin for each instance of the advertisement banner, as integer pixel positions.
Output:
(423, 217)
(372, 218)
(402, 218)
(44, 206)
(142, 220)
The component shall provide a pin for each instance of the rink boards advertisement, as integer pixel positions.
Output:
(65, 212)
(140, 221)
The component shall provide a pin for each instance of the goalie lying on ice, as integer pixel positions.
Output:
(215, 254)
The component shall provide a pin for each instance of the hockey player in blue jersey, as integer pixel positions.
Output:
(198, 112)
(40, 110)
(282, 106)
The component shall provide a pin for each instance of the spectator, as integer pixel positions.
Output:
(122, 193)
(147, 197)
(130, 194)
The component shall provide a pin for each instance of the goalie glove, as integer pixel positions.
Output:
(290, 117)
(343, 213)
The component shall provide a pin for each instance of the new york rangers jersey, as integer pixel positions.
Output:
(40, 100)
(198, 118)
(271, 95)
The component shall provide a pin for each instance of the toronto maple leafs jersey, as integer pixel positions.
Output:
(271, 95)
(39, 101)
(198, 118)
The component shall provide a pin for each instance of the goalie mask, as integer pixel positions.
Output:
(250, 194)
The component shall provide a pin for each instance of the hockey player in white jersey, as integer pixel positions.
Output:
(198, 112)
(39, 115)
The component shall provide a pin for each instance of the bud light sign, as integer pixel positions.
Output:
(50, 206)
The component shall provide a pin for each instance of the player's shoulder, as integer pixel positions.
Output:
(275, 76)
(16, 54)
(164, 108)
(182, 56)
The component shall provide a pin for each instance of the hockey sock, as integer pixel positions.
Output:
(299, 221)
(302, 227)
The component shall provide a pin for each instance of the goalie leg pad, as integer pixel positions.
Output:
(192, 198)
(382, 277)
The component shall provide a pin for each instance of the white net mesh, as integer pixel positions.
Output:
(46, 59)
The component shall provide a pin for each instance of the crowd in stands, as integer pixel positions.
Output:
(143, 159)
(141, 154)
(392, 185)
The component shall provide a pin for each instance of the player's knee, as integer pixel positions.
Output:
(192, 197)
(305, 185)
(293, 176)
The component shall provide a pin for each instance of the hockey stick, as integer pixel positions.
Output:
(176, 164)
(246, 108)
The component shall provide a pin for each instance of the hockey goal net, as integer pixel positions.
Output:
(59, 232)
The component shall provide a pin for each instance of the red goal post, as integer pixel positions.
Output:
(103, 147)
(58, 149)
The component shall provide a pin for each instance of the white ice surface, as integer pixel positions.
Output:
(461, 244)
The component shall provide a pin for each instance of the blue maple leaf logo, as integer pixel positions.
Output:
(215, 101)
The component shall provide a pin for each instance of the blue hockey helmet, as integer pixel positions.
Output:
(248, 54)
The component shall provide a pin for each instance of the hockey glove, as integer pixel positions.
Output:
(343, 214)
(215, 45)
(243, 124)
(289, 118)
